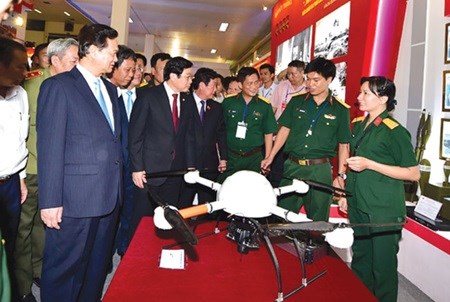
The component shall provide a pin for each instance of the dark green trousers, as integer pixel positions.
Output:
(28, 252)
(317, 203)
(238, 163)
(5, 287)
(375, 257)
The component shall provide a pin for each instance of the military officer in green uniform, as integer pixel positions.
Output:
(28, 254)
(250, 124)
(382, 158)
(312, 126)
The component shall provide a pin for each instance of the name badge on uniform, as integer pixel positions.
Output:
(241, 130)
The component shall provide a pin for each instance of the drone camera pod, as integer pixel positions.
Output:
(244, 232)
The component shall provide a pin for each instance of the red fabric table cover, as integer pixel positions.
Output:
(215, 271)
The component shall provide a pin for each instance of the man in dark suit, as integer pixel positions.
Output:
(210, 136)
(160, 136)
(124, 72)
(80, 170)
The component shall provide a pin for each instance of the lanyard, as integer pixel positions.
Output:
(314, 120)
(244, 114)
(287, 93)
(268, 92)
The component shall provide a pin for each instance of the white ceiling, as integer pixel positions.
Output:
(193, 24)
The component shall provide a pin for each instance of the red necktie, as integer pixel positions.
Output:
(175, 111)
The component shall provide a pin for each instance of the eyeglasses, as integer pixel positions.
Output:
(140, 69)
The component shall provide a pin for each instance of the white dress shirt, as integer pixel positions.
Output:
(91, 80)
(170, 93)
(123, 92)
(14, 121)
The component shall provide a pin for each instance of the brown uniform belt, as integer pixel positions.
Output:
(308, 162)
(246, 154)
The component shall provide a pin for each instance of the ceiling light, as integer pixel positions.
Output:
(213, 50)
(223, 26)
(18, 21)
(38, 11)
(130, 20)
(67, 14)
(264, 7)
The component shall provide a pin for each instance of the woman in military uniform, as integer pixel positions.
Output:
(382, 157)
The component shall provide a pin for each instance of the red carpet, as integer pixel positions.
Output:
(217, 272)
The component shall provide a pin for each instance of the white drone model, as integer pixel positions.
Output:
(250, 194)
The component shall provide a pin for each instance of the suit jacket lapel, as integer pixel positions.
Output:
(87, 94)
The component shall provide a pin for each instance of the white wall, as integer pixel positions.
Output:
(407, 112)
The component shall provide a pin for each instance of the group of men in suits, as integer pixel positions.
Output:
(93, 143)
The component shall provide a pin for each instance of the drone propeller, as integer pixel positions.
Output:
(325, 227)
(177, 172)
(314, 184)
(175, 220)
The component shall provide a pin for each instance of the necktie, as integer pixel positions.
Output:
(129, 103)
(202, 111)
(175, 111)
(101, 102)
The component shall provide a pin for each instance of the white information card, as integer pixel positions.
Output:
(428, 207)
(173, 259)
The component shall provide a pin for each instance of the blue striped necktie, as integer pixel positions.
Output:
(102, 103)
(129, 103)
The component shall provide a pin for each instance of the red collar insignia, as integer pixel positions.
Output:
(377, 121)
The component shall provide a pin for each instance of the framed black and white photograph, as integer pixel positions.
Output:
(331, 36)
(444, 145)
(339, 82)
(296, 48)
(446, 91)
(447, 44)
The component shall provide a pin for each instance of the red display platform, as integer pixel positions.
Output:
(217, 272)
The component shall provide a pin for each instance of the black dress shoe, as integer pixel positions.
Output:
(28, 298)
(37, 282)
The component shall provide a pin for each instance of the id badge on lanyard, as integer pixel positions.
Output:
(241, 130)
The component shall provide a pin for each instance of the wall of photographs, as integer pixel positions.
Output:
(337, 30)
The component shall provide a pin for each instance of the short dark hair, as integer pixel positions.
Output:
(382, 86)
(267, 66)
(219, 76)
(159, 56)
(298, 64)
(245, 72)
(203, 75)
(7, 47)
(142, 57)
(227, 80)
(94, 34)
(124, 53)
(176, 65)
(322, 66)
(38, 49)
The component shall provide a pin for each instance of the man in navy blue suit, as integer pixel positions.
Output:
(210, 136)
(122, 76)
(80, 169)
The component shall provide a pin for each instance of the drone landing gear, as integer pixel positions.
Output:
(304, 280)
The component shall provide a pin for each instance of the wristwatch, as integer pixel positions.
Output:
(342, 175)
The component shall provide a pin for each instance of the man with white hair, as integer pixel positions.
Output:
(63, 56)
